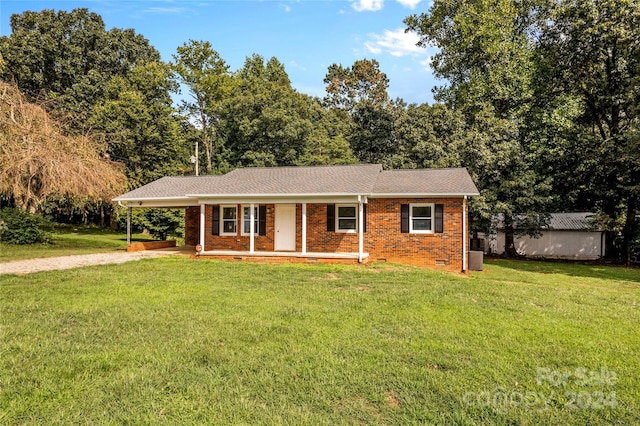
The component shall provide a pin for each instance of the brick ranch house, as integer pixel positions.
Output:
(354, 213)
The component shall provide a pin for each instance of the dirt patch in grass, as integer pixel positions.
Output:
(392, 399)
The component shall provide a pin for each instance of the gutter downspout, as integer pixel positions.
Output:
(360, 229)
(464, 234)
(202, 220)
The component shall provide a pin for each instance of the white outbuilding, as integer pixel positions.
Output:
(567, 236)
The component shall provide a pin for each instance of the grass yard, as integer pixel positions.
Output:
(179, 341)
(68, 240)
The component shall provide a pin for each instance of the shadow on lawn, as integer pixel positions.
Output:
(573, 269)
(62, 229)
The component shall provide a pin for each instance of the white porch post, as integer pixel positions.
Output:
(252, 232)
(464, 234)
(202, 221)
(304, 227)
(360, 230)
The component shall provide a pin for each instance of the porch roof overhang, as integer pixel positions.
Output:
(158, 202)
(281, 198)
(194, 200)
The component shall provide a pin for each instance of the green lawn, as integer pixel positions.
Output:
(182, 341)
(68, 240)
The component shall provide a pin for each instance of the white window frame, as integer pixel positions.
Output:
(338, 217)
(223, 220)
(256, 215)
(432, 206)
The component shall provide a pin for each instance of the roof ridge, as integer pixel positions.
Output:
(304, 167)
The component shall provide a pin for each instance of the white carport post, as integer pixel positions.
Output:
(128, 226)
(304, 227)
(202, 220)
(360, 229)
(252, 231)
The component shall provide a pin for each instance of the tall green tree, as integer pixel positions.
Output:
(138, 122)
(429, 136)
(488, 59)
(65, 59)
(359, 92)
(266, 122)
(590, 55)
(363, 82)
(207, 76)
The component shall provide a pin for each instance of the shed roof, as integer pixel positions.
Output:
(572, 221)
(575, 221)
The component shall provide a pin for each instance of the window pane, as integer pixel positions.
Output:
(229, 213)
(347, 224)
(348, 211)
(246, 210)
(421, 211)
(422, 224)
(247, 226)
(229, 226)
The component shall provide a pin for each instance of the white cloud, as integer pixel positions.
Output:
(427, 63)
(285, 7)
(167, 10)
(411, 4)
(294, 64)
(367, 5)
(396, 43)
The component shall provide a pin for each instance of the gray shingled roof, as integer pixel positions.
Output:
(353, 179)
(454, 181)
(171, 187)
(362, 179)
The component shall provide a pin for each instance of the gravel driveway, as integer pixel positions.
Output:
(21, 267)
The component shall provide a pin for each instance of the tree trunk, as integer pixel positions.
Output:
(628, 232)
(509, 237)
(113, 218)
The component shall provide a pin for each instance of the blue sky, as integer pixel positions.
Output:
(307, 36)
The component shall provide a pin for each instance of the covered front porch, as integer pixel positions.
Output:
(280, 227)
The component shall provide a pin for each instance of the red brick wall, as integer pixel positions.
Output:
(383, 239)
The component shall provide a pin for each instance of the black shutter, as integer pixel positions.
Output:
(439, 218)
(262, 220)
(364, 218)
(404, 218)
(331, 217)
(215, 220)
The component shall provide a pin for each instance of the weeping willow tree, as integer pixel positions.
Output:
(38, 159)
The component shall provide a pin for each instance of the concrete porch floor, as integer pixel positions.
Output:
(297, 254)
(266, 256)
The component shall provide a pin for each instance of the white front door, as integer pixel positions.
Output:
(285, 224)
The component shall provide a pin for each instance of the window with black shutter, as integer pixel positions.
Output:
(215, 220)
(331, 217)
(404, 218)
(439, 218)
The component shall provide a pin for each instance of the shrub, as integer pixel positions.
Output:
(159, 223)
(18, 227)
